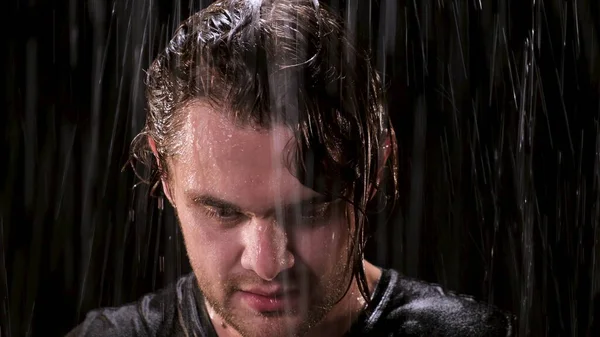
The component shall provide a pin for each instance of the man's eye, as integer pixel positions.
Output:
(314, 212)
(311, 214)
(221, 214)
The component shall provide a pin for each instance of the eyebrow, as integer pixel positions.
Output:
(212, 201)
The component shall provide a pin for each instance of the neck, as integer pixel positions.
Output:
(336, 323)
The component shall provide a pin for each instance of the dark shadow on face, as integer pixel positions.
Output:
(317, 295)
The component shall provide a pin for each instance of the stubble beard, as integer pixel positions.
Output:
(292, 324)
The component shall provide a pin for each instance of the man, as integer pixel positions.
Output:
(266, 128)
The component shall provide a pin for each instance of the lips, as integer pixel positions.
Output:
(270, 299)
(268, 291)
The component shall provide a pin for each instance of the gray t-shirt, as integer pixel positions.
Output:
(400, 307)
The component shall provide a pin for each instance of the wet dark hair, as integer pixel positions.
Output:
(285, 62)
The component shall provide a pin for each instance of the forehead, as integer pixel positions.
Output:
(243, 165)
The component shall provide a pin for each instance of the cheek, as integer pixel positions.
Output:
(322, 247)
(207, 248)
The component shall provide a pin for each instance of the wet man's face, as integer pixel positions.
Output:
(268, 252)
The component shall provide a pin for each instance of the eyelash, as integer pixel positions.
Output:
(315, 214)
(214, 214)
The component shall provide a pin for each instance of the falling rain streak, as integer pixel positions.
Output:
(496, 106)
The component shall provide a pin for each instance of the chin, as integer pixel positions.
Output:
(269, 324)
(272, 330)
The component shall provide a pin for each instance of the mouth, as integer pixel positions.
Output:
(271, 301)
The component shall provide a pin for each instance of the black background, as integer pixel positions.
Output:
(496, 106)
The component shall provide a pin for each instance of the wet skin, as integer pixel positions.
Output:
(268, 252)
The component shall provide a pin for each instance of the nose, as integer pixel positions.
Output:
(266, 249)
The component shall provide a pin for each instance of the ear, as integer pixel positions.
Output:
(385, 150)
(163, 180)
